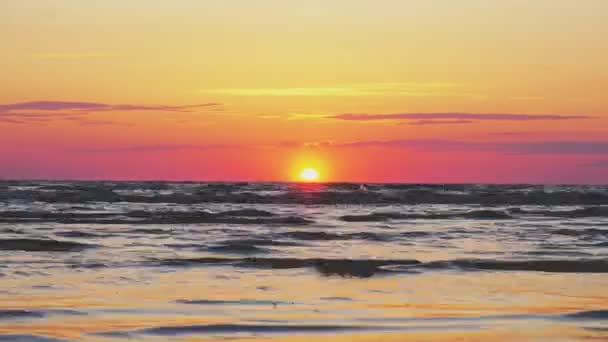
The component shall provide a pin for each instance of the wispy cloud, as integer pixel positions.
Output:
(305, 116)
(514, 133)
(41, 111)
(408, 89)
(152, 148)
(440, 122)
(84, 121)
(556, 147)
(597, 163)
(11, 121)
(459, 116)
(429, 145)
(518, 147)
(96, 107)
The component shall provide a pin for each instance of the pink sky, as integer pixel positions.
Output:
(365, 91)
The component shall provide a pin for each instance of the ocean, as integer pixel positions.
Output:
(188, 261)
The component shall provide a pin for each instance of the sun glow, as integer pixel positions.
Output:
(309, 175)
(309, 166)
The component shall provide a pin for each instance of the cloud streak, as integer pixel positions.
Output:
(153, 148)
(515, 147)
(430, 145)
(43, 111)
(95, 107)
(440, 122)
(453, 117)
(408, 89)
(597, 163)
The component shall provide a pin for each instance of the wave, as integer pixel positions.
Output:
(597, 211)
(79, 234)
(311, 235)
(12, 314)
(591, 232)
(325, 236)
(270, 241)
(12, 231)
(254, 216)
(200, 329)
(285, 193)
(376, 217)
(231, 302)
(154, 231)
(550, 265)
(7, 314)
(246, 213)
(240, 328)
(246, 216)
(385, 216)
(42, 245)
(28, 338)
(238, 248)
(593, 315)
(364, 268)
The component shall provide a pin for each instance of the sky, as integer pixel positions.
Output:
(409, 91)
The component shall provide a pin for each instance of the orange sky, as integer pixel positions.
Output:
(407, 91)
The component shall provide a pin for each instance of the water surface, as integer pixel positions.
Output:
(111, 261)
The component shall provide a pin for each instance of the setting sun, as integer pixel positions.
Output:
(309, 175)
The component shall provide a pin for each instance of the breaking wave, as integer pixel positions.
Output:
(364, 268)
(285, 193)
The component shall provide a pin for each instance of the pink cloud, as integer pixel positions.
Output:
(456, 117)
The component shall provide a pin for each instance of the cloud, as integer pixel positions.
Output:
(38, 111)
(596, 163)
(96, 122)
(178, 147)
(11, 121)
(152, 148)
(440, 122)
(318, 144)
(410, 89)
(557, 147)
(535, 133)
(430, 145)
(459, 116)
(549, 147)
(95, 107)
(301, 116)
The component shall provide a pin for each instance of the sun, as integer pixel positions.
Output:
(309, 174)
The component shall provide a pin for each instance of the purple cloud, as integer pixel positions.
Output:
(152, 148)
(459, 116)
(430, 145)
(11, 121)
(597, 163)
(440, 122)
(515, 133)
(41, 111)
(550, 147)
(93, 107)
(95, 122)
(557, 147)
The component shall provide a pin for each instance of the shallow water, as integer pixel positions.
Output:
(248, 261)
